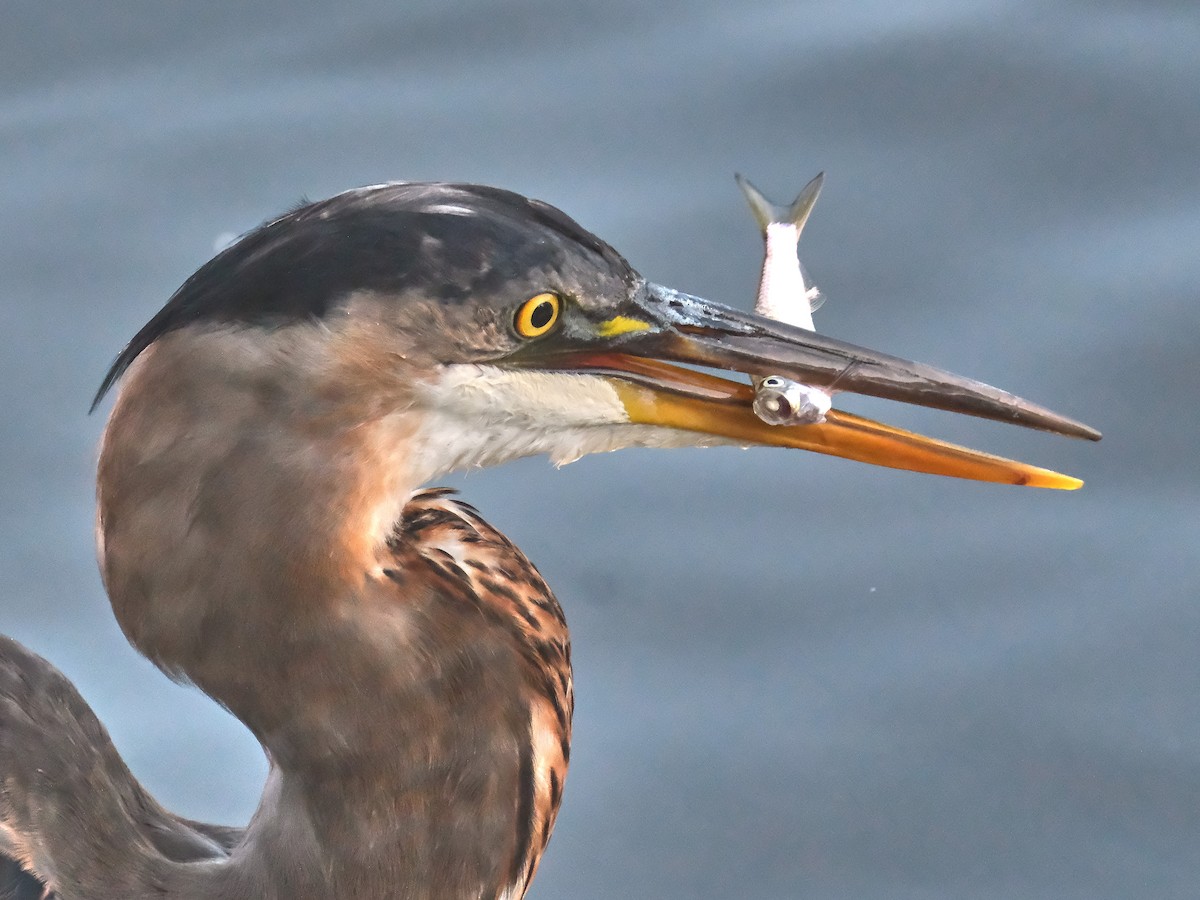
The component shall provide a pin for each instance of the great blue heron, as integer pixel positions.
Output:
(262, 535)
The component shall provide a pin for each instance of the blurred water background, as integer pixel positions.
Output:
(797, 676)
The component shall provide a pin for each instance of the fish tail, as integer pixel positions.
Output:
(767, 213)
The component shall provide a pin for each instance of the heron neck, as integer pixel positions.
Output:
(236, 510)
(243, 543)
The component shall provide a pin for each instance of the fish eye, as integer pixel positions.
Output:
(537, 315)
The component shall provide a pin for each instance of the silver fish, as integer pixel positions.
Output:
(787, 294)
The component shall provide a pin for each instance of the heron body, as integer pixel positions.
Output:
(263, 534)
(485, 708)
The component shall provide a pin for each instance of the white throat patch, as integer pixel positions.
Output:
(476, 416)
(473, 416)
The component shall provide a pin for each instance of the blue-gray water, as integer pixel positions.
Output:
(797, 676)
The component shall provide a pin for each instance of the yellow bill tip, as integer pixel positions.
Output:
(1055, 481)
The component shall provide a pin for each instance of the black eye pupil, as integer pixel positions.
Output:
(542, 314)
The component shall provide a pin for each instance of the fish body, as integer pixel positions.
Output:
(786, 294)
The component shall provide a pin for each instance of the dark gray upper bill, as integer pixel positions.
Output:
(705, 333)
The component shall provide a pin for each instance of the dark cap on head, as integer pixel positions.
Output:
(450, 242)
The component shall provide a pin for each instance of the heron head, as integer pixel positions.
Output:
(506, 329)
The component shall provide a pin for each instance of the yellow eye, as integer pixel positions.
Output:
(537, 315)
